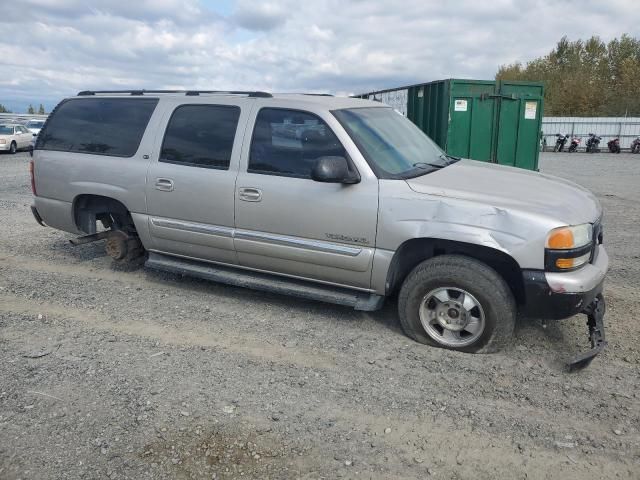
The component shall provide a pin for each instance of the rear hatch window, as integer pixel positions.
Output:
(100, 126)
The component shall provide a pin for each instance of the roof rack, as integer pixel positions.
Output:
(186, 92)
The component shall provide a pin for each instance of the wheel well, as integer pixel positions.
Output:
(89, 209)
(414, 251)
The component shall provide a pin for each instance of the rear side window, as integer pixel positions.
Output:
(101, 126)
(201, 136)
(288, 143)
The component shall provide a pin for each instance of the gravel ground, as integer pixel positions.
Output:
(113, 374)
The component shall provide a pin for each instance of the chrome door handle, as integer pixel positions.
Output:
(164, 184)
(250, 194)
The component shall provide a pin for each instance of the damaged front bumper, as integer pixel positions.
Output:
(555, 296)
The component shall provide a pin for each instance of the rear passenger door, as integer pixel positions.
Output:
(190, 183)
(288, 223)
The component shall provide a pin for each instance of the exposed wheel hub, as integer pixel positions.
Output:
(116, 246)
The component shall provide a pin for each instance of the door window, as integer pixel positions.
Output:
(288, 142)
(201, 136)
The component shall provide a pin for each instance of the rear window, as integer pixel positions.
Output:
(100, 126)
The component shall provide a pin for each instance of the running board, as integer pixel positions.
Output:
(263, 281)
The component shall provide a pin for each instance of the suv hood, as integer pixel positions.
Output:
(510, 187)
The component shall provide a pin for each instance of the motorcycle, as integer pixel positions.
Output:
(573, 147)
(560, 142)
(614, 145)
(593, 143)
(635, 145)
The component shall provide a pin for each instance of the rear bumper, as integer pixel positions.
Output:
(555, 296)
(37, 216)
(55, 214)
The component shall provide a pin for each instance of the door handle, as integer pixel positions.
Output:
(250, 194)
(164, 184)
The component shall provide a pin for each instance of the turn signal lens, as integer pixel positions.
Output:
(564, 263)
(564, 238)
(560, 239)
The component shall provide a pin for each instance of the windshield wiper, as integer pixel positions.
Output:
(427, 164)
(449, 158)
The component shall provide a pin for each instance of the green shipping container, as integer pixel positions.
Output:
(492, 121)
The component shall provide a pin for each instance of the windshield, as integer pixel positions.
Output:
(392, 144)
(4, 130)
(35, 124)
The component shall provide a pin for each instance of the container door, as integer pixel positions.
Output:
(471, 127)
(519, 124)
(518, 131)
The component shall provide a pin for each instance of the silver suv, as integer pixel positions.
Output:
(337, 199)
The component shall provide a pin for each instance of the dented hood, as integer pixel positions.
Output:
(509, 187)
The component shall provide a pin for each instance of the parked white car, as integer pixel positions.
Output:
(34, 126)
(14, 137)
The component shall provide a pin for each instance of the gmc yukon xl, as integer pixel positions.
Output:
(336, 199)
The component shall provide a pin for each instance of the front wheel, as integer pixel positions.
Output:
(458, 303)
(13, 148)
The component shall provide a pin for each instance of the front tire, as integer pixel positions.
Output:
(13, 148)
(458, 303)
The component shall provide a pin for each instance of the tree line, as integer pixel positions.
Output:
(586, 78)
(30, 110)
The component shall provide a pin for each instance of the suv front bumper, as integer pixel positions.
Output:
(554, 296)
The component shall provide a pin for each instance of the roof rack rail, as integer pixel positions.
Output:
(186, 92)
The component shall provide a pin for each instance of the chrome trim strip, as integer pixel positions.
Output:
(315, 245)
(228, 232)
(193, 227)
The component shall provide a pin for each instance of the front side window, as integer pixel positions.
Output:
(201, 136)
(100, 126)
(392, 144)
(288, 143)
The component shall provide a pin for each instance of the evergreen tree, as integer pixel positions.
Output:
(31, 110)
(41, 110)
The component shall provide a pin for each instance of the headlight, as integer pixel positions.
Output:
(564, 238)
(568, 248)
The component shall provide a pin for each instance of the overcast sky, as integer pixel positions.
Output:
(50, 49)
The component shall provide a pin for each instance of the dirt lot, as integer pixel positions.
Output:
(112, 374)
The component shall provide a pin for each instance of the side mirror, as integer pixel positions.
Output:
(333, 170)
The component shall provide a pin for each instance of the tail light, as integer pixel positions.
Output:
(33, 177)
